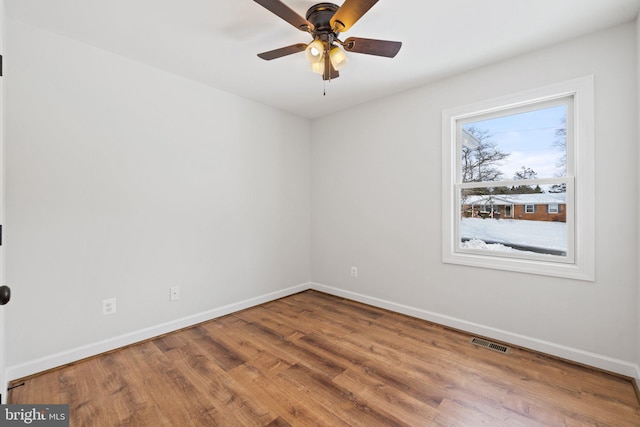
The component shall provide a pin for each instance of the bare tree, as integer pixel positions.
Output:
(561, 144)
(525, 173)
(480, 161)
(561, 165)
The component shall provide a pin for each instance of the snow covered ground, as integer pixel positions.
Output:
(501, 233)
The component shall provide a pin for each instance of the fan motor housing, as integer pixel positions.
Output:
(320, 16)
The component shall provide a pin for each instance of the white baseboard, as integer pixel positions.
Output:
(93, 349)
(575, 355)
(583, 357)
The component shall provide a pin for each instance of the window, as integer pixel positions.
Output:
(516, 154)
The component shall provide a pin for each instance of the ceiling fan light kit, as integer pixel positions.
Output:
(314, 51)
(324, 22)
(338, 58)
(316, 67)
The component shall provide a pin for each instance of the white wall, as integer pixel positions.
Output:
(3, 381)
(638, 215)
(376, 195)
(123, 180)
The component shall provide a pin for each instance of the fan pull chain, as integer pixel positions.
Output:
(324, 88)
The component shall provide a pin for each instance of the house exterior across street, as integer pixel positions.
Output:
(533, 207)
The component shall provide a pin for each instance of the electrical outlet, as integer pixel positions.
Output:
(109, 306)
(174, 293)
(354, 271)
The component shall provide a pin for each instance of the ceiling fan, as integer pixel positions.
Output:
(324, 22)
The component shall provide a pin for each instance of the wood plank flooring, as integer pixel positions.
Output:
(312, 359)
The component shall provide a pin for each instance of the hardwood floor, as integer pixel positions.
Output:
(316, 360)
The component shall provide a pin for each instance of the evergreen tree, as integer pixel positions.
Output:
(523, 174)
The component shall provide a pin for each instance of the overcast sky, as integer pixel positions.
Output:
(529, 137)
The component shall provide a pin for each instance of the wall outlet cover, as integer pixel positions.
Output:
(174, 293)
(109, 306)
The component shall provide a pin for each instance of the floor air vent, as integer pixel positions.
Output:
(490, 345)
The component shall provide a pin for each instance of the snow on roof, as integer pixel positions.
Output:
(469, 140)
(517, 199)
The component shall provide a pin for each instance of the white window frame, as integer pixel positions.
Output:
(553, 208)
(529, 209)
(580, 180)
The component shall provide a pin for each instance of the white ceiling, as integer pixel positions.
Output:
(215, 42)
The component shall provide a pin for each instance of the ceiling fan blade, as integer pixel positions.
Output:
(372, 47)
(349, 13)
(283, 51)
(286, 13)
(329, 73)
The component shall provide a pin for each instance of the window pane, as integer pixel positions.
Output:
(515, 223)
(526, 145)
